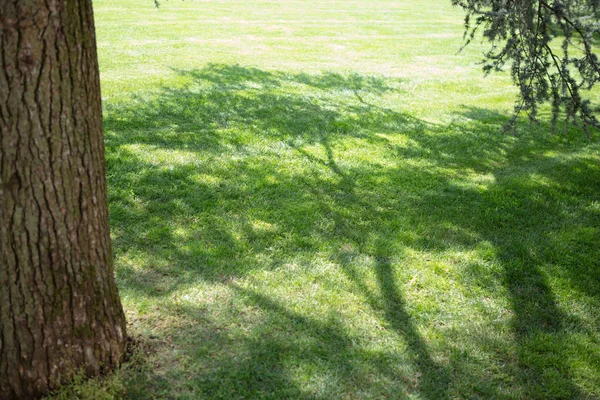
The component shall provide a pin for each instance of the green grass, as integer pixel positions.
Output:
(313, 200)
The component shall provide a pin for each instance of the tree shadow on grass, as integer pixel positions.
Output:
(267, 361)
(537, 216)
(298, 343)
(216, 180)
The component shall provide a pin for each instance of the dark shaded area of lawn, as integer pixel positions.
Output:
(536, 213)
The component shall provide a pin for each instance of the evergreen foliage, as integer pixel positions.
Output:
(551, 45)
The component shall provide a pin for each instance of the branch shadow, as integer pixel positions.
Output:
(537, 217)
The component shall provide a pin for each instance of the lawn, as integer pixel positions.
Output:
(315, 200)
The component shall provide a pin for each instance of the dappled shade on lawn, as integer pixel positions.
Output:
(298, 240)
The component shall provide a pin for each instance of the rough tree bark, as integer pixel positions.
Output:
(59, 307)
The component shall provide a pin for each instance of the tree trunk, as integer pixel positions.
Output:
(59, 307)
